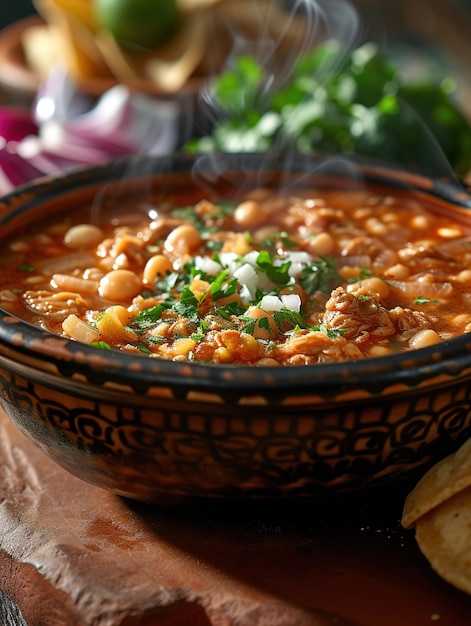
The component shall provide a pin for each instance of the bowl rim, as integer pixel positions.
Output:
(450, 357)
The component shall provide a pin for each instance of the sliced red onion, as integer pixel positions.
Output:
(58, 98)
(16, 124)
(122, 122)
(65, 157)
(14, 170)
(64, 131)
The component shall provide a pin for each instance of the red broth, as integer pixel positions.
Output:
(318, 277)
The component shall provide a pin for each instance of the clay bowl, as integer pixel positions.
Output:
(154, 430)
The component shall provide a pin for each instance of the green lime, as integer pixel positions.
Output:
(146, 23)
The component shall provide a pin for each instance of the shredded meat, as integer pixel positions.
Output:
(360, 320)
(365, 321)
(408, 322)
(363, 245)
(308, 347)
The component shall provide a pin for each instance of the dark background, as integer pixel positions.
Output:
(12, 10)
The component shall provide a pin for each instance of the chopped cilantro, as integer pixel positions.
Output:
(187, 213)
(268, 343)
(264, 322)
(249, 324)
(364, 273)
(227, 208)
(321, 275)
(339, 101)
(142, 348)
(168, 282)
(422, 300)
(333, 333)
(271, 241)
(188, 300)
(201, 331)
(215, 246)
(148, 317)
(230, 309)
(276, 273)
(285, 317)
(221, 288)
(101, 344)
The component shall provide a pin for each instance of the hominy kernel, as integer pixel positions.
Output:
(157, 265)
(389, 218)
(379, 351)
(397, 272)
(450, 232)
(464, 276)
(183, 346)
(427, 278)
(349, 271)
(83, 236)
(375, 226)
(183, 239)
(121, 313)
(461, 320)
(119, 285)
(322, 244)
(423, 339)
(238, 244)
(222, 355)
(121, 261)
(268, 362)
(420, 222)
(248, 213)
(370, 286)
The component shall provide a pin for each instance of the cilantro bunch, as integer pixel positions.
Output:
(355, 103)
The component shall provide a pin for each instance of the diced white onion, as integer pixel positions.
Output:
(227, 258)
(251, 257)
(252, 278)
(271, 303)
(292, 302)
(207, 265)
(299, 256)
(245, 294)
(245, 274)
(79, 330)
(247, 277)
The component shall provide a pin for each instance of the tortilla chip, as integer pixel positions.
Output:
(444, 538)
(439, 484)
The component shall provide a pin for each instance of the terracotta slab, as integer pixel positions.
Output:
(74, 555)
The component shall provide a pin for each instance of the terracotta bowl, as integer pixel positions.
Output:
(151, 430)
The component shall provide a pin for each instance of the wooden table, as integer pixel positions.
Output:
(74, 555)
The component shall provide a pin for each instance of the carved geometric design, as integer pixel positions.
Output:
(182, 449)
